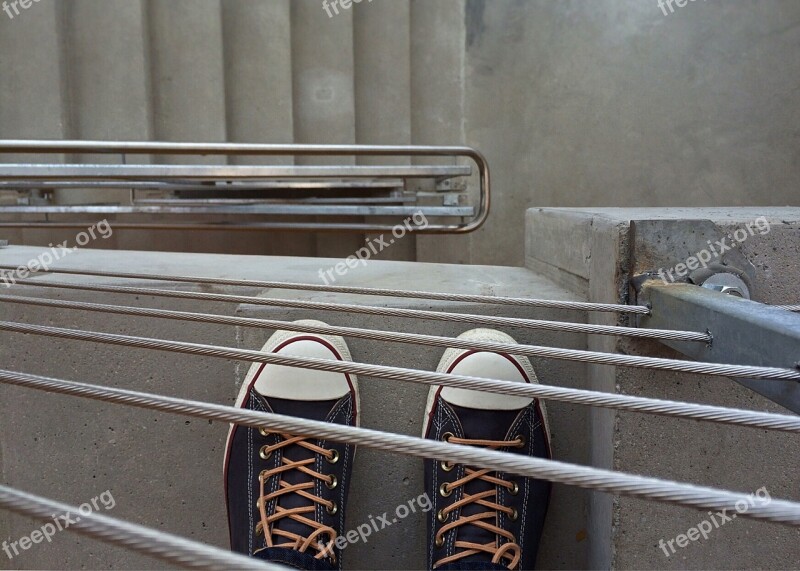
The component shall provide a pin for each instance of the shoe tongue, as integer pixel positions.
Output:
(313, 410)
(481, 425)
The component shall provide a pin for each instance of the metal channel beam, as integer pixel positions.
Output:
(360, 184)
(407, 199)
(30, 172)
(744, 332)
(273, 209)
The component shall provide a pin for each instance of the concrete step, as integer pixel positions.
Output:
(164, 471)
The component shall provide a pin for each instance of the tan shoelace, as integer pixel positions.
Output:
(265, 526)
(508, 553)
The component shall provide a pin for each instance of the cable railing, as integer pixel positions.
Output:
(196, 555)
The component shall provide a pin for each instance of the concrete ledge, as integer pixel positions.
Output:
(597, 251)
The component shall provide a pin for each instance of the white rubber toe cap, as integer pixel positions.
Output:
(295, 383)
(486, 365)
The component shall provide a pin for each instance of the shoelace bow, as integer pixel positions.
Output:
(295, 541)
(508, 552)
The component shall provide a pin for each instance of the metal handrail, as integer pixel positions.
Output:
(20, 172)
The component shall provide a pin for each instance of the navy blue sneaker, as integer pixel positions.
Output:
(286, 494)
(483, 519)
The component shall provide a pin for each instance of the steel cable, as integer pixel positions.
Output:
(398, 373)
(488, 320)
(377, 335)
(155, 543)
(466, 298)
(787, 423)
(666, 491)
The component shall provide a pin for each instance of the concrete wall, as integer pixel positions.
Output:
(587, 103)
(594, 250)
(575, 102)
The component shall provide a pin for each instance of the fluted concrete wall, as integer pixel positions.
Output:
(575, 103)
(210, 70)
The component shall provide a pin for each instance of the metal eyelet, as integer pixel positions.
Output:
(523, 441)
(333, 483)
(439, 541)
(441, 516)
(264, 453)
(259, 528)
(263, 474)
(334, 458)
(514, 515)
(332, 508)
(447, 436)
(444, 491)
(264, 432)
(447, 466)
(514, 489)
